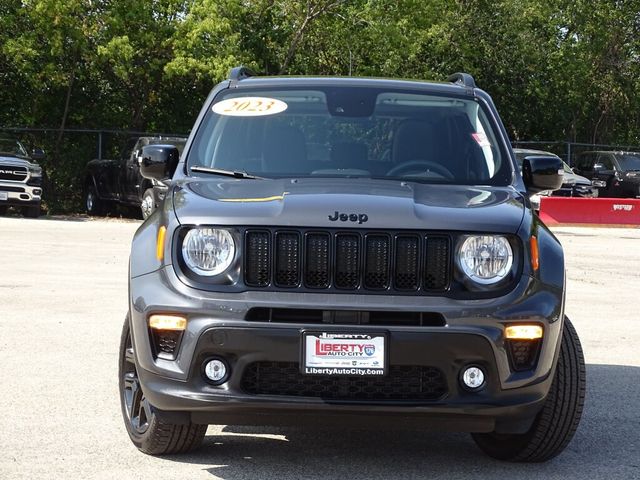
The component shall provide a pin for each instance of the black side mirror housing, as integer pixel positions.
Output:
(37, 154)
(542, 172)
(159, 162)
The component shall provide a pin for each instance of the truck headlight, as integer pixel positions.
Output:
(208, 251)
(485, 259)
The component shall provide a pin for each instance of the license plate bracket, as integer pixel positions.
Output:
(344, 353)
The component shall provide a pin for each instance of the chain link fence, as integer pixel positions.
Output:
(569, 151)
(67, 155)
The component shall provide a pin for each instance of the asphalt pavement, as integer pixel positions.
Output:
(63, 298)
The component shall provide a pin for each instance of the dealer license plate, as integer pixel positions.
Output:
(334, 353)
(4, 195)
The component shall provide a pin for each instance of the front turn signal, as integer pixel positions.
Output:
(523, 332)
(535, 255)
(162, 231)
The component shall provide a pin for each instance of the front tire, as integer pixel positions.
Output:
(555, 425)
(146, 430)
(148, 204)
(31, 212)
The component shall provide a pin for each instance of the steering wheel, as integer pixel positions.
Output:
(421, 165)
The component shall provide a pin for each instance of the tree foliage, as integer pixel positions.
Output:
(558, 69)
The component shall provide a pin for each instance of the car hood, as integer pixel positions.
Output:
(16, 161)
(367, 203)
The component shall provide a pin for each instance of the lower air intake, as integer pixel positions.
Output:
(402, 383)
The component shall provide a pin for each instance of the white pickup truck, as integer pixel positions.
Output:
(20, 178)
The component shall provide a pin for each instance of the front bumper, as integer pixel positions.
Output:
(473, 335)
(19, 194)
(583, 191)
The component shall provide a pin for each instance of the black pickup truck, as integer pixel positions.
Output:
(111, 182)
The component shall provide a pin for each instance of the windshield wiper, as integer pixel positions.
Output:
(226, 173)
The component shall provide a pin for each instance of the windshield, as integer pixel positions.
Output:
(351, 132)
(629, 162)
(12, 147)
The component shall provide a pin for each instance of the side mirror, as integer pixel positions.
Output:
(159, 162)
(37, 154)
(542, 173)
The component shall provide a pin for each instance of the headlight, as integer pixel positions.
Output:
(486, 259)
(208, 251)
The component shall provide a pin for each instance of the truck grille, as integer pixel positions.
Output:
(402, 383)
(13, 173)
(347, 261)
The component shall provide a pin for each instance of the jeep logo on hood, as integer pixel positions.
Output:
(351, 217)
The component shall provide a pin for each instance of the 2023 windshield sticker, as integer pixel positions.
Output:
(249, 107)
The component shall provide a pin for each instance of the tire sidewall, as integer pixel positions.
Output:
(137, 438)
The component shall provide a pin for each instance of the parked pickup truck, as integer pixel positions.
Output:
(111, 182)
(20, 178)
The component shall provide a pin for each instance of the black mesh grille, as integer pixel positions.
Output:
(406, 262)
(347, 261)
(524, 353)
(13, 173)
(287, 259)
(317, 272)
(402, 383)
(258, 259)
(376, 273)
(436, 274)
(166, 342)
(406, 277)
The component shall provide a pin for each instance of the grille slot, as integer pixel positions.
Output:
(436, 274)
(6, 188)
(402, 383)
(13, 173)
(376, 275)
(345, 317)
(287, 259)
(411, 263)
(258, 259)
(347, 261)
(407, 255)
(317, 260)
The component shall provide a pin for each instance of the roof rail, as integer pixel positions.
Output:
(463, 79)
(240, 73)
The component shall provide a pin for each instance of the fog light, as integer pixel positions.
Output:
(473, 378)
(216, 370)
(168, 322)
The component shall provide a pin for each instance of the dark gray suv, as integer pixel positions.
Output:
(349, 250)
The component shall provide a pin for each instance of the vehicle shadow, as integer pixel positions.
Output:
(606, 445)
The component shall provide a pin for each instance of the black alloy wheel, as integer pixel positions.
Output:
(147, 430)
